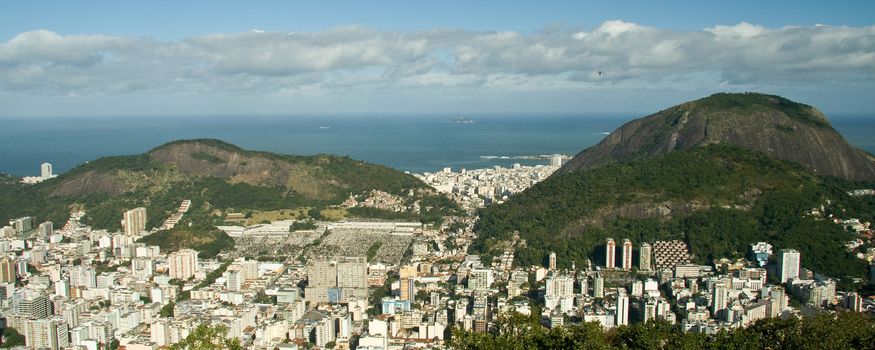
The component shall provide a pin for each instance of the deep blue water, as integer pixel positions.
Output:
(412, 143)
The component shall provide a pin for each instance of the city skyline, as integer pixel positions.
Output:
(395, 175)
(331, 58)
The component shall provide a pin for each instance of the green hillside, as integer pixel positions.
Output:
(212, 173)
(209, 242)
(717, 198)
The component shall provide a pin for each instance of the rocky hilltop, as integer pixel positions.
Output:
(769, 124)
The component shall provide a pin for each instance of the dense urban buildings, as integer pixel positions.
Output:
(372, 285)
(476, 188)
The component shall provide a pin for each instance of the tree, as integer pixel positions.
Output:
(11, 338)
(843, 330)
(167, 310)
(208, 337)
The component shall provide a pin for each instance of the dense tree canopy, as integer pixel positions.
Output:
(829, 331)
(208, 337)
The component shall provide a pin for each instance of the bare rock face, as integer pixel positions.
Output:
(226, 161)
(206, 159)
(90, 182)
(769, 124)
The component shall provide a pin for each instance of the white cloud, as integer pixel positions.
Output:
(741, 30)
(45, 63)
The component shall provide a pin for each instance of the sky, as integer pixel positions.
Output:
(175, 58)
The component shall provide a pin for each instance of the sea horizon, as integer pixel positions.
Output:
(414, 143)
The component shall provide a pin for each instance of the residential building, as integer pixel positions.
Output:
(134, 221)
(644, 257)
(598, 289)
(46, 170)
(182, 264)
(480, 279)
(46, 333)
(788, 265)
(622, 312)
(719, 299)
(627, 255)
(407, 278)
(7, 270)
(610, 253)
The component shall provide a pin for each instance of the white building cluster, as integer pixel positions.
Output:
(45, 174)
(476, 188)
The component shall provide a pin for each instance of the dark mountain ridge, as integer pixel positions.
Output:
(769, 124)
(719, 173)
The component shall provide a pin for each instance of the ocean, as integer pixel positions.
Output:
(410, 143)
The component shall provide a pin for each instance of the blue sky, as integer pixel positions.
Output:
(179, 19)
(283, 57)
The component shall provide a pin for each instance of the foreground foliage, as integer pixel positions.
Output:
(515, 331)
(11, 338)
(208, 337)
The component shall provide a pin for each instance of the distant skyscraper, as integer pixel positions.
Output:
(610, 252)
(719, 300)
(584, 285)
(46, 334)
(622, 307)
(853, 302)
(332, 280)
(31, 305)
(627, 254)
(407, 277)
(233, 280)
(559, 286)
(7, 270)
(134, 221)
(46, 229)
(644, 258)
(352, 276)
(22, 225)
(46, 170)
(598, 286)
(322, 273)
(480, 279)
(556, 160)
(182, 264)
(788, 263)
(553, 261)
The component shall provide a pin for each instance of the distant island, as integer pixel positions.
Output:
(463, 120)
